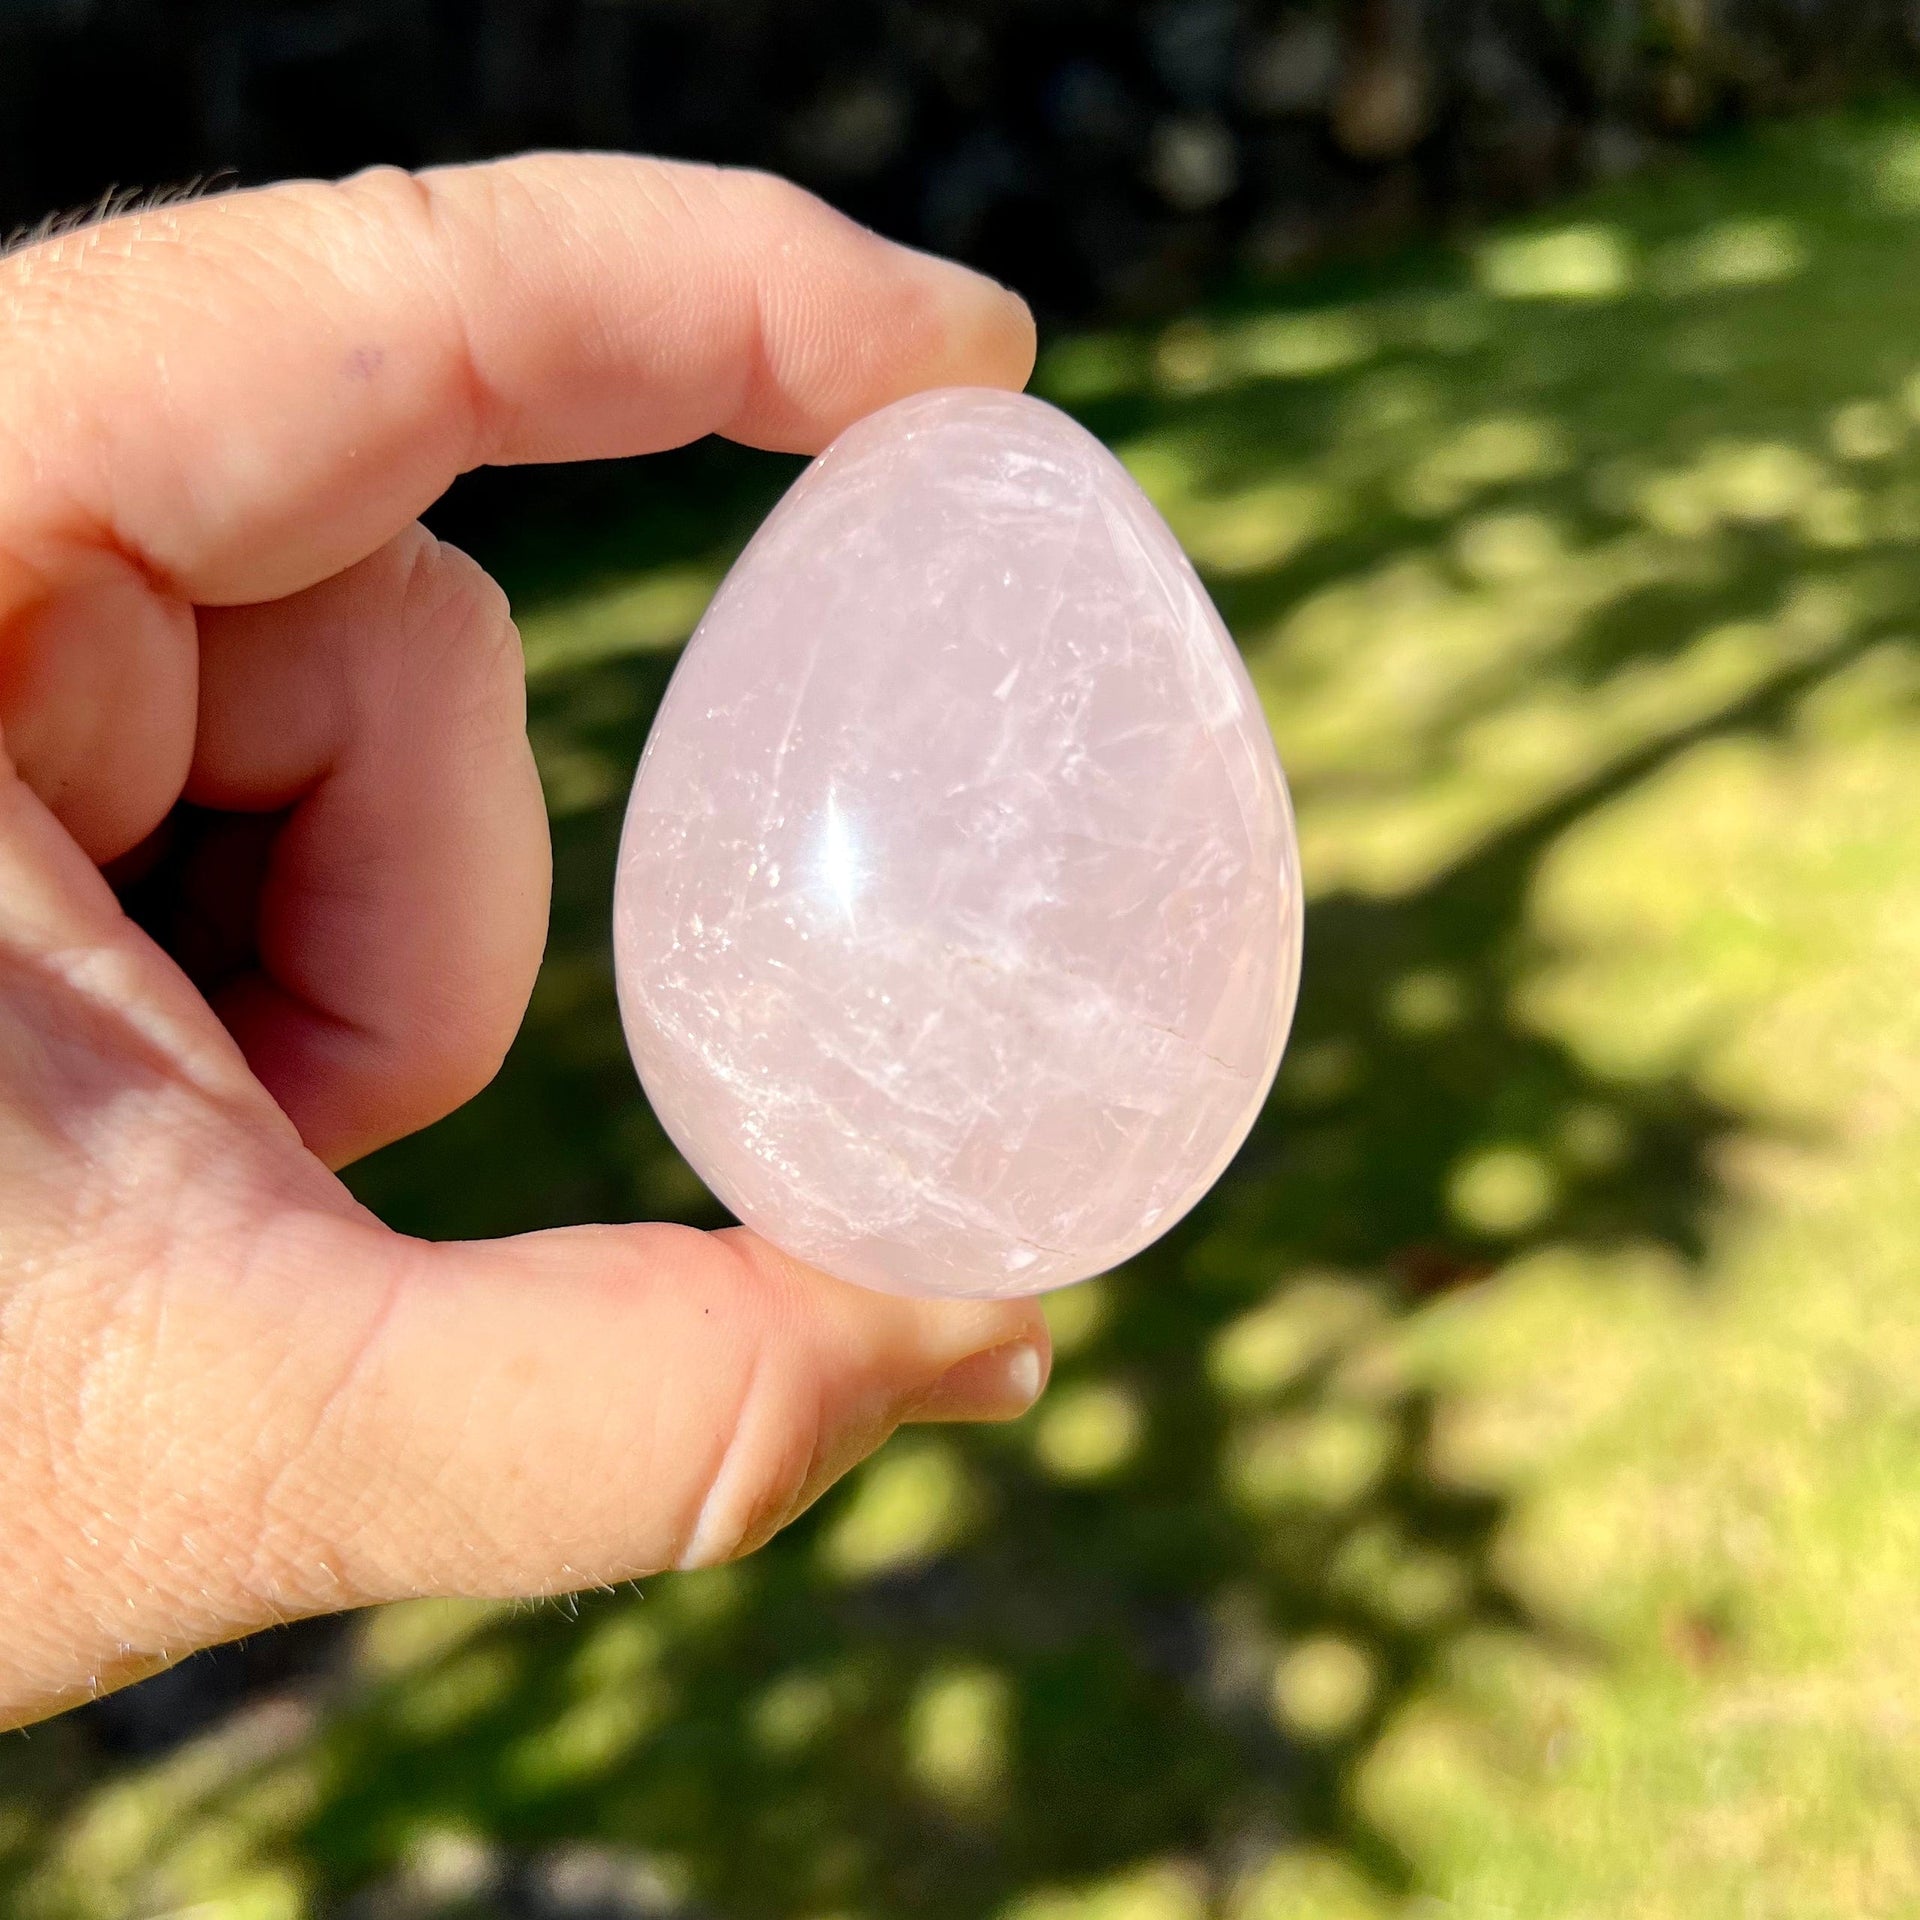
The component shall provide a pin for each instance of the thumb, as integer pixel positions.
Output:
(586, 1405)
(346, 1416)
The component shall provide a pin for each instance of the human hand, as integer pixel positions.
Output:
(228, 1395)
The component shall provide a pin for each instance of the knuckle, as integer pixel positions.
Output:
(442, 225)
(772, 1441)
(385, 194)
(761, 191)
(760, 207)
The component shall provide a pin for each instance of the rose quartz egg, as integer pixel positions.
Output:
(958, 913)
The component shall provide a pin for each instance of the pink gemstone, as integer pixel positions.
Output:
(958, 912)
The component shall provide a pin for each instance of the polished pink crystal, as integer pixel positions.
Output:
(958, 912)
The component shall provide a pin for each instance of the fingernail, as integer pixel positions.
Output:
(999, 1384)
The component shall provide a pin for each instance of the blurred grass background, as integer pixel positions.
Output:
(1502, 1496)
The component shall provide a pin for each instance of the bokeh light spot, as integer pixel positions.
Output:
(1269, 1348)
(1187, 357)
(1170, 1890)
(1321, 1070)
(907, 1507)
(1322, 1687)
(1586, 262)
(1260, 528)
(1301, 346)
(1090, 367)
(412, 1633)
(793, 1713)
(1502, 1190)
(458, 1691)
(1428, 1000)
(440, 1866)
(1735, 253)
(1088, 1430)
(1866, 430)
(588, 1740)
(1326, 1458)
(958, 1733)
(1488, 453)
(1897, 176)
(1750, 482)
(1075, 1315)
(1499, 548)
(618, 1651)
(1593, 1138)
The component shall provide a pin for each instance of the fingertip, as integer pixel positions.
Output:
(850, 321)
(1000, 1384)
(837, 1367)
(990, 335)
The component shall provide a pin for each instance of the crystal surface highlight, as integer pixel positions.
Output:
(957, 922)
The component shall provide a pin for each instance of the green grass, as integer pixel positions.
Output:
(1502, 1497)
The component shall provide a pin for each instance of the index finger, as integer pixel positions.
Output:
(247, 394)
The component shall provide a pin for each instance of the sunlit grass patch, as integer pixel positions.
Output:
(1733, 253)
(652, 610)
(1589, 261)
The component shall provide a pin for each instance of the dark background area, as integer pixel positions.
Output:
(1115, 161)
(1105, 158)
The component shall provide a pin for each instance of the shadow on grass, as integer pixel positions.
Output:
(1502, 537)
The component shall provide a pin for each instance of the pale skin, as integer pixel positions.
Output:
(228, 1395)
